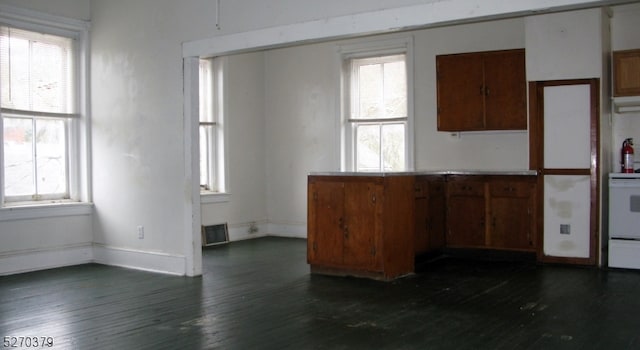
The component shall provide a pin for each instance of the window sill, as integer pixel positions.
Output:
(214, 197)
(33, 210)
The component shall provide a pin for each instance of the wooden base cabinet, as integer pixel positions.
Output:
(466, 212)
(429, 214)
(512, 209)
(361, 225)
(495, 212)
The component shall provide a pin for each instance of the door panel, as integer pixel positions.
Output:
(567, 127)
(505, 92)
(466, 221)
(508, 229)
(326, 245)
(567, 215)
(360, 208)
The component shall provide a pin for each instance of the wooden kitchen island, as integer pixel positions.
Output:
(374, 224)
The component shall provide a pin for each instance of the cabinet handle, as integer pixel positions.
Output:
(346, 232)
(486, 91)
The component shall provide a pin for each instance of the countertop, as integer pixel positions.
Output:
(427, 172)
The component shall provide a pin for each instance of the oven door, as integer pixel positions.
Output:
(624, 209)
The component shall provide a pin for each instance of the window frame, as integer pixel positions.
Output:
(77, 127)
(363, 50)
(216, 125)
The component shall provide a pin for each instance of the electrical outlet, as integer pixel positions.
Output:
(253, 228)
(140, 232)
(565, 229)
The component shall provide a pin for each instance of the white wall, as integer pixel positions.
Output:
(245, 141)
(301, 128)
(138, 139)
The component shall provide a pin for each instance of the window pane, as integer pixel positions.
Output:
(370, 86)
(368, 147)
(204, 157)
(48, 78)
(395, 89)
(18, 157)
(51, 156)
(206, 91)
(393, 147)
(35, 71)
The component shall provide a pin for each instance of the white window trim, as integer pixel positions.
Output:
(401, 45)
(79, 142)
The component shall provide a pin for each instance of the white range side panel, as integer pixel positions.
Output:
(567, 201)
(567, 127)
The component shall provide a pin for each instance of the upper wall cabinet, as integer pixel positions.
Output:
(626, 73)
(482, 91)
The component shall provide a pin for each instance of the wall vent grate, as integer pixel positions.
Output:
(214, 235)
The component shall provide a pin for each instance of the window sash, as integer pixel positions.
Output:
(36, 162)
(212, 175)
(24, 54)
(63, 110)
(382, 165)
(356, 93)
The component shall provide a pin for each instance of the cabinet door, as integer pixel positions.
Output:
(511, 206)
(510, 223)
(436, 215)
(466, 225)
(505, 90)
(326, 222)
(626, 73)
(460, 92)
(421, 232)
(361, 224)
(421, 240)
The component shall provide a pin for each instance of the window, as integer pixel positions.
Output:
(377, 109)
(40, 114)
(212, 160)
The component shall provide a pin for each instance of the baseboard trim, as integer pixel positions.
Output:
(287, 230)
(139, 260)
(44, 259)
(240, 232)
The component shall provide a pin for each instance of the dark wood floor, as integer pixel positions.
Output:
(259, 295)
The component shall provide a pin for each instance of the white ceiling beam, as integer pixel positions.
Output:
(426, 15)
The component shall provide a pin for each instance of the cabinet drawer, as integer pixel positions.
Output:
(421, 188)
(427, 186)
(466, 188)
(510, 189)
(436, 189)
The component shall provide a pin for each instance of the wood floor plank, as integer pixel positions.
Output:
(259, 294)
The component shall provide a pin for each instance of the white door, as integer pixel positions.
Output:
(568, 168)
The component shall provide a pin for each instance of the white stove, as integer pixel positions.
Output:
(624, 220)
